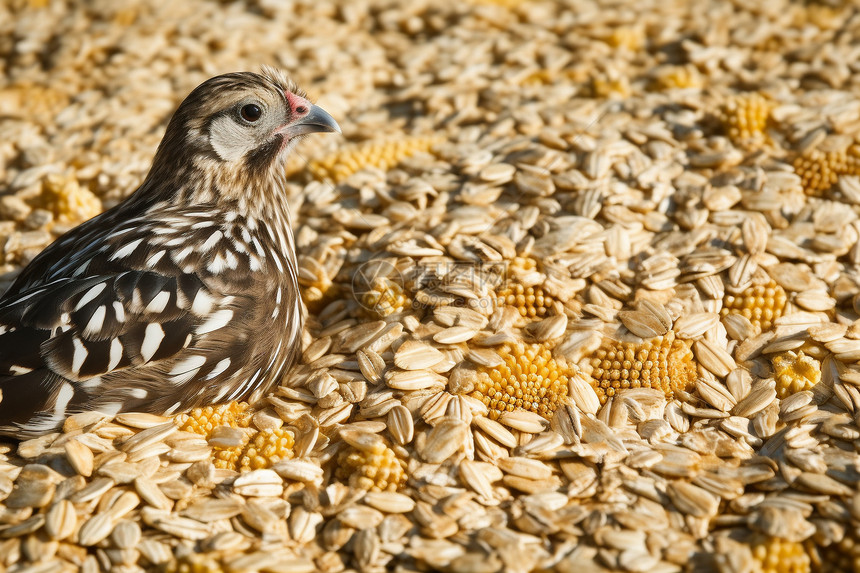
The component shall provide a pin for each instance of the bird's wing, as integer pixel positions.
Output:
(137, 295)
(83, 328)
(124, 318)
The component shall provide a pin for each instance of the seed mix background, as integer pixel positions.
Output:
(581, 282)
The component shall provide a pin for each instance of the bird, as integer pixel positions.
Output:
(185, 294)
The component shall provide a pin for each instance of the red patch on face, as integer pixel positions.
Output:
(299, 106)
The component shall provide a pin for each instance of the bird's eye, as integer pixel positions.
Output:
(251, 112)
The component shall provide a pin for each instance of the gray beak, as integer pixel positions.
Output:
(317, 120)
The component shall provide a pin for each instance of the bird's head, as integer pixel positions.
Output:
(240, 126)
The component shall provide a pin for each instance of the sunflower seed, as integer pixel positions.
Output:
(693, 326)
(259, 483)
(524, 421)
(414, 380)
(525, 467)
(95, 529)
(496, 431)
(389, 502)
(448, 436)
(298, 470)
(400, 424)
(61, 519)
(693, 500)
(759, 397)
(714, 358)
(413, 355)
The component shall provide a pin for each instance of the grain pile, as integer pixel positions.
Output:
(582, 284)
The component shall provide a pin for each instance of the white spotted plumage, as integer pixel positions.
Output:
(159, 304)
(126, 250)
(92, 293)
(186, 369)
(94, 326)
(215, 321)
(152, 337)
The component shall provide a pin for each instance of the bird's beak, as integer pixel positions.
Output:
(317, 120)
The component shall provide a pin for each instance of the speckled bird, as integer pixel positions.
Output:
(184, 294)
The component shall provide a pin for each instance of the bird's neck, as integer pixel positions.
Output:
(261, 202)
(257, 199)
(268, 211)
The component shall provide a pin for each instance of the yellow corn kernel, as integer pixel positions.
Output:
(384, 298)
(529, 379)
(762, 304)
(664, 363)
(377, 468)
(318, 295)
(546, 76)
(610, 86)
(819, 170)
(32, 101)
(383, 154)
(265, 449)
(529, 301)
(745, 117)
(203, 420)
(259, 449)
(677, 77)
(524, 264)
(227, 458)
(774, 555)
(70, 203)
(627, 37)
(795, 372)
